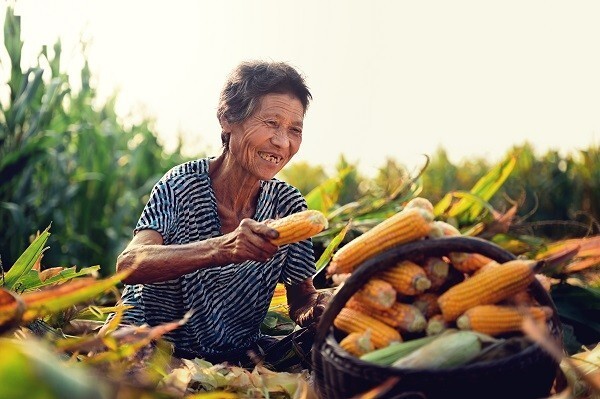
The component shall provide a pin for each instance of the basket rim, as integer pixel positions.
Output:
(433, 246)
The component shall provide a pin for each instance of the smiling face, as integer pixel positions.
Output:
(265, 142)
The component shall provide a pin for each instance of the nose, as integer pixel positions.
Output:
(280, 138)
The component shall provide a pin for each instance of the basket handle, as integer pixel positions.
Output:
(433, 247)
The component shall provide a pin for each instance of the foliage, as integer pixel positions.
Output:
(66, 158)
(303, 176)
(69, 161)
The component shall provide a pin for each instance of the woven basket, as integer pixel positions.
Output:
(527, 374)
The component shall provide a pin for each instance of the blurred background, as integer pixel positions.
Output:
(100, 98)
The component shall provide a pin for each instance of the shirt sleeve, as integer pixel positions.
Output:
(159, 212)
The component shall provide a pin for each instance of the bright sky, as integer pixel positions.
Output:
(389, 78)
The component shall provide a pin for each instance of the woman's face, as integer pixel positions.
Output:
(265, 141)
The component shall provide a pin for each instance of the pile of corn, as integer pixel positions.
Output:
(414, 303)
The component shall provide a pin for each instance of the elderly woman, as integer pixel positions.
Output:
(200, 244)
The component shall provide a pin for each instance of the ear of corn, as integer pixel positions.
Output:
(487, 287)
(395, 350)
(436, 325)
(350, 320)
(402, 316)
(447, 350)
(498, 319)
(406, 277)
(357, 344)
(298, 226)
(377, 293)
(488, 265)
(405, 226)
(436, 270)
(468, 262)
(427, 304)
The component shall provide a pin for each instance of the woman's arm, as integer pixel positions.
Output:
(154, 262)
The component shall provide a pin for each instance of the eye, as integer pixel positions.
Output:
(271, 123)
(296, 131)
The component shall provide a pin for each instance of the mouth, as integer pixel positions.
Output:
(267, 156)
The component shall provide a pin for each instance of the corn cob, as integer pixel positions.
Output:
(436, 270)
(465, 262)
(436, 325)
(377, 293)
(468, 262)
(298, 226)
(488, 287)
(402, 316)
(420, 202)
(405, 226)
(406, 277)
(357, 344)
(488, 265)
(427, 304)
(497, 319)
(350, 320)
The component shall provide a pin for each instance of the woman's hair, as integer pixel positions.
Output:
(251, 80)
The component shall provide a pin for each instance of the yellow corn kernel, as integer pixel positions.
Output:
(405, 226)
(499, 319)
(468, 262)
(357, 344)
(406, 277)
(350, 320)
(402, 316)
(298, 226)
(487, 287)
(377, 293)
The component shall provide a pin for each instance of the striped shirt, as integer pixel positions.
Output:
(229, 302)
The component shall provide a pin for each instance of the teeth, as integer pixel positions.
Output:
(269, 157)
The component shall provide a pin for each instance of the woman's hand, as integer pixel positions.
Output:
(251, 240)
(306, 304)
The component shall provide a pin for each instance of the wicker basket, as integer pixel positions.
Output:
(527, 374)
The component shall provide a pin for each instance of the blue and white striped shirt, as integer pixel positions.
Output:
(229, 302)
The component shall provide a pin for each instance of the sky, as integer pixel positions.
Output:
(390, 79)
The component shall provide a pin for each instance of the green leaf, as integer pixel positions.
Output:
(63, 276)
(580, 308)
(26, 261)
(29, 369)
(328, 252)
(467, 209)
(59, 297)
(326, 194)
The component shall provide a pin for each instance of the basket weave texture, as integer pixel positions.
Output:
(526, 374)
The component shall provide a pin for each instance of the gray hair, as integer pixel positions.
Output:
(251, 80)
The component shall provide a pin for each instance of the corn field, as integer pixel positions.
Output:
(74, 178)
